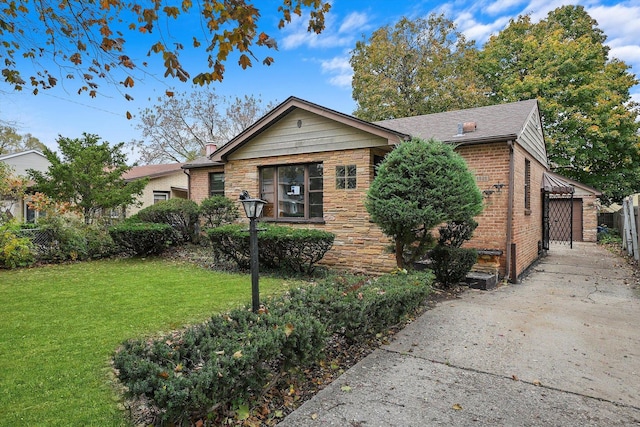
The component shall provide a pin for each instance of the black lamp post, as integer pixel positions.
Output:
(253, 209)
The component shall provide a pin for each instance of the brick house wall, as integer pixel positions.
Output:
(359, 244)
(298, 132)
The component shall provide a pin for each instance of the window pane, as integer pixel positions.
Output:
(291, 191)
(216, 184)
(267, 191)
(315, 205)
(351, 183)
(351, 171)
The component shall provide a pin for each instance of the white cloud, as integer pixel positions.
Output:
(341, 70)
(334, 34)
(500, 6)
(355, 21)
(478, 31)
(629, 54)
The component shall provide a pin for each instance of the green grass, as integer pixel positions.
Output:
(59, 327)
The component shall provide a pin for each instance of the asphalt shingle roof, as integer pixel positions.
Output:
(493, 122)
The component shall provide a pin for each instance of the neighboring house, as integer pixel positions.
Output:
(314, 165)
(20, 163)
(165, 182)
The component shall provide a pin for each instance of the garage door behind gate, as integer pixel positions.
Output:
(559, 218)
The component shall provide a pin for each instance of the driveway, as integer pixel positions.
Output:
(560, 349)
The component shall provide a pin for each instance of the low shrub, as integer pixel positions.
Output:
(15, 251)
(181, 214)
(62, 239)
(451, 264)
(218, 210)
(358, 307)
(99, 242)
(142, 238)
(293, 249)
(229, 358)
(232, 358)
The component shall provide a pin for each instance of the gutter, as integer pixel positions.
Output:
(508, 271)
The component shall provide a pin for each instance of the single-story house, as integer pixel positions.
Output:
(314, 165)
(166, 182)
(21, 162)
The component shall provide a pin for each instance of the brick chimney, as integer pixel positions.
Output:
(209, 148)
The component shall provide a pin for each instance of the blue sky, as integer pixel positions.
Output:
(313, 67)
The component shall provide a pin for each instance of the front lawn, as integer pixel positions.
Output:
(60, 325)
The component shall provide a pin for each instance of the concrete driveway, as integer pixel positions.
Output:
(560, 349)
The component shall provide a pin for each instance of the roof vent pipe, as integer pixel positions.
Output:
(460, 128)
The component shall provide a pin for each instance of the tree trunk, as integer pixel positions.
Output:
(399, 252)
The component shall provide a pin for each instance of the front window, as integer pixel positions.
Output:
(292, 191)
(216, 184)
(160, 196)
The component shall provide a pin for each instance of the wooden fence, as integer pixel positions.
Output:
(630, 227)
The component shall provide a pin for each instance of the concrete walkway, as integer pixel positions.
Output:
(560, 349)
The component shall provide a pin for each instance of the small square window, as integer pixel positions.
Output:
(346, 177)
(160, 196)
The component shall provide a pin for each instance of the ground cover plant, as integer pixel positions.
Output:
(229, 368)
(60, 325)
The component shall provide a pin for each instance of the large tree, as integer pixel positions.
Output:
(94, 40)
(419, 185)
(12, 142)
(419, 66)
(590, 121)
(177, 128)
(88, 174)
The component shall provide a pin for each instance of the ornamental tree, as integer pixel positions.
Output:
(88, 174)
(419, 185)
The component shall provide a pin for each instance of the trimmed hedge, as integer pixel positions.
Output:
(142, 238)
(188, 375)
(181, 214)
(295, 249)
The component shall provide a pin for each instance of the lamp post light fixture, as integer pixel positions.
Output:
(253, 210)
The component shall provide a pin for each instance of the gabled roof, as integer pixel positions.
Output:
(494, 123)
(287, 106)
(21, 153)
(152, 171)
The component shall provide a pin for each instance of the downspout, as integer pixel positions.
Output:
(186, 172)
(510, 211)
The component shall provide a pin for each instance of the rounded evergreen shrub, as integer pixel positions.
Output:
(181, 214)
(451, 265)
(218, 210)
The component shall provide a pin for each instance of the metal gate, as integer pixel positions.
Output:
(557, 211)
(561, 220)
